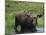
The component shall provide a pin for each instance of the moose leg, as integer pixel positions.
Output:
(16, 27)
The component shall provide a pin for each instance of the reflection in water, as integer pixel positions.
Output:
(39, 30)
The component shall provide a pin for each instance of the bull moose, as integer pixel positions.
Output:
(27, 22)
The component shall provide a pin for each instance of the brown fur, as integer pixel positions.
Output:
(27, 22)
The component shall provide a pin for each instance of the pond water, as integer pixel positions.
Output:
(40, 30)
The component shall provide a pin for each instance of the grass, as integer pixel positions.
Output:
(12, 8)
(40, 22)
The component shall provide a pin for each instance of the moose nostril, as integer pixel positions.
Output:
(31, 16)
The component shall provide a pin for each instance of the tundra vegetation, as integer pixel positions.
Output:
(14, 8)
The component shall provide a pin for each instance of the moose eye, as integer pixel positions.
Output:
(34, 17)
